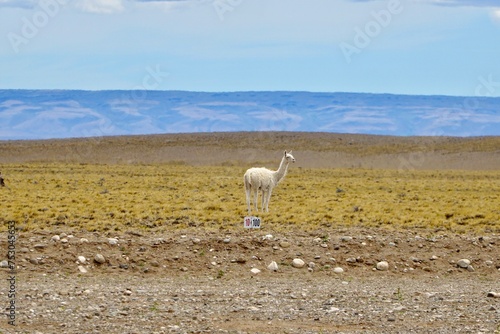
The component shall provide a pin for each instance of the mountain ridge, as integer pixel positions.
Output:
(44, 114)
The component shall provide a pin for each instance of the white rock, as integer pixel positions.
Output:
(284, 244)
(82, 269)
(55, 238)
(382, 266)
(82, 259)
(112, 241)
(298, 263)
(84, 240)
(494, 294)
(196, 241)
(273, 266)
(332, 309)
(463, 263)
(255, 271)
(338, 270)
(4, 264)
(227, 240)
(64, 240)
(268, 237)
(99, 258)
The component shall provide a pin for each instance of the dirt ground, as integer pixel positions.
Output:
(201, 282)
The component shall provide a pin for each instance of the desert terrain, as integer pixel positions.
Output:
(144, 234)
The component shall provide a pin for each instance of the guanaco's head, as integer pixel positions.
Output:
(289, 157)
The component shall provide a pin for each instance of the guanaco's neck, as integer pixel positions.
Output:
(282, 170)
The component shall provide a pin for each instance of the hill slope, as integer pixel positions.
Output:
(326, 150)
(42, 114)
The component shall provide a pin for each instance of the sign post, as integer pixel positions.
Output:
(251, 222)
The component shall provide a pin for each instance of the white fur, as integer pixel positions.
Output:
(263, 179)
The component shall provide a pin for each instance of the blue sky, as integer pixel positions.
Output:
(430, 47)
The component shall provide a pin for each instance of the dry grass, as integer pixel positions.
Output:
(176, 196)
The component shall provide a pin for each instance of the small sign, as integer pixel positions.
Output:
(251, 222)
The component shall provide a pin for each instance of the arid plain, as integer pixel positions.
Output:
(175, 205)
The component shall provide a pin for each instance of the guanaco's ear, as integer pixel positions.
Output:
(290, 152)
(285, 152)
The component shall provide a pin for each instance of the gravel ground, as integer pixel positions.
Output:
(201, 282)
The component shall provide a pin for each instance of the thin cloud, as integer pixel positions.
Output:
(169, 5)
(26, 4)
(172, 1)
(495, 14)
(100, 6)
(456, 3)
(469, 3)
(168, 0)
(92, 6)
